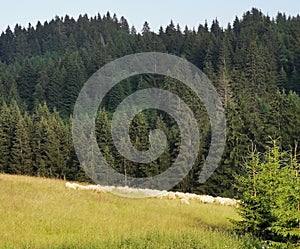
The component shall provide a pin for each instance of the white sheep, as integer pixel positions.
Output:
(226, 201)
(207, 199)
(82, 187)
(171, 196)
(70, 185)
(92, 187)
(190, 196)
(160, 196)
(179, 195)
(184, 197)
(76, 186)
(220, 200)
(184, 201)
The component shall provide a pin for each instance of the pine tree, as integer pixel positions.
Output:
(139, 137)
(26, 83)
(270, 201)
(105, 142)
(40, 116)
(20, 154)
(282, 79)
(54, 89)
(5, 138)
(8, 86)
(164, 161)
(8, 121)
(75, 77)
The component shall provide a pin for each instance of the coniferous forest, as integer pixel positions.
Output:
(254, 63)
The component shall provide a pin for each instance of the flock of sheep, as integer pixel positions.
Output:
(184, 198)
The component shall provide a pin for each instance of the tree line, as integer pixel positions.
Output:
(253, 63)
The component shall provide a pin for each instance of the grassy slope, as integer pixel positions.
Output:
(42, 213)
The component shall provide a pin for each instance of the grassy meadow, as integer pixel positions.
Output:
(43, 213)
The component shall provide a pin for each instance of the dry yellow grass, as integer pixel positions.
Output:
(43, 213)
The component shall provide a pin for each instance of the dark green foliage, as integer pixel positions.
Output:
(26, 82)
(21, 154)
(253, 63)
(5, 138)
(38, 144)
(73, 81)
(270, 204)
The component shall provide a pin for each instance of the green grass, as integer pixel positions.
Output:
(42, 213)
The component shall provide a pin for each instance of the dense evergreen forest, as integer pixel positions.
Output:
(254, 64)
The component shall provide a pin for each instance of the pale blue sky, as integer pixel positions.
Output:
(157, 13)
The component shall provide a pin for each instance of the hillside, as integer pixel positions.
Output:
(253, 64)
(43, 213)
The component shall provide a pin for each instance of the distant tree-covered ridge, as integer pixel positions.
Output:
(254, 64)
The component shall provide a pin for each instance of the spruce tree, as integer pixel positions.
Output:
(21, 154)
(270, 201)
(5, 138)
(26, 83)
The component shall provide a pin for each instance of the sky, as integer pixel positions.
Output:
(156, 13)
